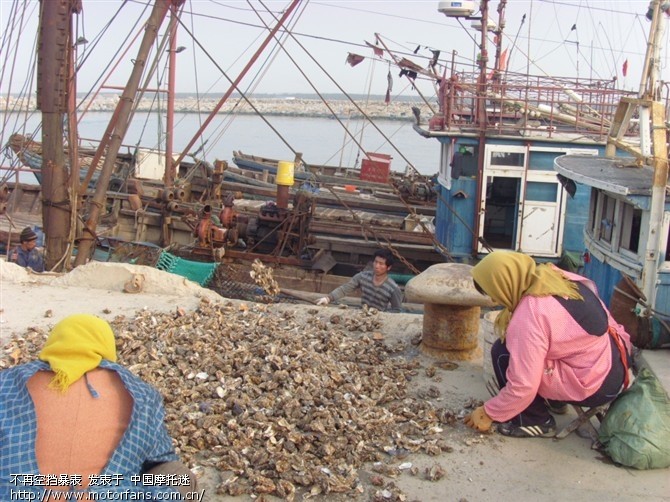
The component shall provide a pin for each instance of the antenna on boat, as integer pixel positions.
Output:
(576, 42)
(170, 166)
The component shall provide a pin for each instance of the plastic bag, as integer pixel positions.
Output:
(636, 429)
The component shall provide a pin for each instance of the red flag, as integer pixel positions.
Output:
(379, 52)
(502, 64)
(624, 68)
(354, 59)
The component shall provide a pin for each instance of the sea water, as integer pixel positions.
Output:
(320, 140)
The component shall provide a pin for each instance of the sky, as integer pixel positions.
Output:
(585, 38)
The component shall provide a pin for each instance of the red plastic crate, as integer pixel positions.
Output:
(376, 167)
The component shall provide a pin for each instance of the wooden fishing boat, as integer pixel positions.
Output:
(374, 176)
(29, 152)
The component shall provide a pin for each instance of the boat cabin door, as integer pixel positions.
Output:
(521, 206)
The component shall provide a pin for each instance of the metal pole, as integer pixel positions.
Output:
(87, 241)
(481, 122)
(170, 166)
(655, 115)
(55, 41)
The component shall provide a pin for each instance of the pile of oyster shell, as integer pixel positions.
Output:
(262, 276)
(283, 404)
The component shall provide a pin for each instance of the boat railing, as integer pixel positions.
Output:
(13, 174)
(530, 106)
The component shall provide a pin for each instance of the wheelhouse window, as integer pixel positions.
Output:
(515, 159)
(630, 228)
(607, 218)
(593, 211)
(464, 162)
(615, 223)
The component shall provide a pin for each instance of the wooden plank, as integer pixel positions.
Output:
(659, 137)
(612, 144)
(619, 125)
(330, 200)
(352, 229)
(411, 308)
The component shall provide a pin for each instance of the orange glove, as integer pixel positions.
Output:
(479, 420)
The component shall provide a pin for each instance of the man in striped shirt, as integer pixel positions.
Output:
(378, 290)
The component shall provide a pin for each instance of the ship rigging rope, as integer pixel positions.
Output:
(409, 163)
(243, 95)
(197, 83)
(10, 43)
(265, 66)
(90, 51)
(11, 46)
(562, 44)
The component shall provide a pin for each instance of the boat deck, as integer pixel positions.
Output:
(619, 175)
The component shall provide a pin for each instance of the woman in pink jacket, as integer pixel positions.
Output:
(557, 342)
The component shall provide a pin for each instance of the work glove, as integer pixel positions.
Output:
(323, 301)
(479, 420)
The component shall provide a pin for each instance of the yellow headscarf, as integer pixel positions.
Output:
(508, 276)
(76, 345)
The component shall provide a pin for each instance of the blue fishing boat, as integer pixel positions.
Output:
(627, 207)
(499, 134)
(559, 169)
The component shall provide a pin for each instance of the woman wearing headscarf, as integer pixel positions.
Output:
(558, 342)
(75, 420)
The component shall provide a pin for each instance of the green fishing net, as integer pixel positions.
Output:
(195, 271)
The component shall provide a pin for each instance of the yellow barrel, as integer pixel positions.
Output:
(285, 173)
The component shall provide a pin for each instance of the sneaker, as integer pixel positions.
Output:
(545, 430)
(556, 407)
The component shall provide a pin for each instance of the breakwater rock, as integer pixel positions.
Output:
(297, 107)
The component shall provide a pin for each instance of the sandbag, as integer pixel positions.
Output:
(636, 429)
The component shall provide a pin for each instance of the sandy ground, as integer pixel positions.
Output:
(480, 467)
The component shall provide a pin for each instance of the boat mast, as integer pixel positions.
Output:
(122, 115)
(481, 117)
(73, 143)
(54, 60)
(170, 166)
(653, 142)
(497, 66)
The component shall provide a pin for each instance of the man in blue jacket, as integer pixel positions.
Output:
(26, 253)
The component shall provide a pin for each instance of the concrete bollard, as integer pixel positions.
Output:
(452, 307)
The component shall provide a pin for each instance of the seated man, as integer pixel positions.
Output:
(26, 253)
(75, 412)
(378, 290)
